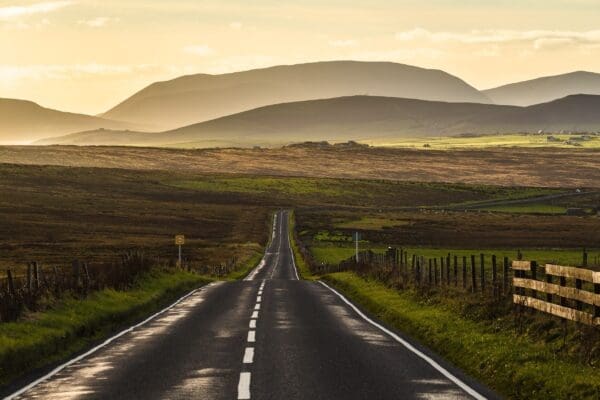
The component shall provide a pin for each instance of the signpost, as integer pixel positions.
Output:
(179, 241)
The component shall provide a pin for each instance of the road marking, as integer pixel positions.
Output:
(254, 314)
(252, 324)
(410, 347)
(244, 386)
(257, 306)
(260, 292)
(105, 343)
(258, 298)
(251, 336)
(249, 355)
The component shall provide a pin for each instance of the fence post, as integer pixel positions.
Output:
(414, 257)
(578, 285)
(448, 269)
(494, 276)
(36, 276)
(430, 276)
(29, 278)
(455, 271)
(464, 272)
(585, 258)
(417, 272)
(549, 295)
(473, 275)
(534, 277)
(11, 283)
(436, 269)
(597, 307)
(482, 267)
(563, 282)
(505, 282)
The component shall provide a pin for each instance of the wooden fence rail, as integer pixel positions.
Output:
(580, 303)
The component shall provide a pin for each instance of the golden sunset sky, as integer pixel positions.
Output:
(86, 56)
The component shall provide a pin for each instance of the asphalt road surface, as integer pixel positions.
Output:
(270, 336)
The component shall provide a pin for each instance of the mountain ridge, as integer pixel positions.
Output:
(362, 118)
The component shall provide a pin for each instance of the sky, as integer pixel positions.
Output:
(87, 55)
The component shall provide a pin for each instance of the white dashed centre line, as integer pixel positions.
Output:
(254, 314)
(244, 386)
(249, 355)
(258, 299)
(253, 324)
(257, 306)
(251, 336)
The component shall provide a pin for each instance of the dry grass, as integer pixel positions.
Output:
(542, 167)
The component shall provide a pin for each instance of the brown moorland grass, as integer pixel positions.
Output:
(541, 167)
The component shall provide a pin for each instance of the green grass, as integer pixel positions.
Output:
(533, 208)
(281, 185)
(371, 223)
(512, 365)
(335, 254)
(73, 324)
(301, 265)
(501, 140)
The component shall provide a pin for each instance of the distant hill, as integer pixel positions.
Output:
(23, 121)
(195, 98)
(545, 89)
(360, 118)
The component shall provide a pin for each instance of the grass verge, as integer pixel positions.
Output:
(301, 265)
(512, 365)
(73, 325)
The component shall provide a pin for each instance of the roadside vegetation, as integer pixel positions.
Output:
(540, 364)
(72, 324)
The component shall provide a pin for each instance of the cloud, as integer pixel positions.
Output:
(13, 73)
(199, 49)
(97, 22)
(236, 25)
(539, 39)
(343, 43)
(10, 12)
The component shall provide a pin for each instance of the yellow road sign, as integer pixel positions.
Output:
(179, 239)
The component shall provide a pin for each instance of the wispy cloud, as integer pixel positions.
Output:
(198, 49)
(97, 22)
(10, 12)
(538, 38)
(343, 43)
(236, 25)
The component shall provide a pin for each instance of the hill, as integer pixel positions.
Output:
(545, 89)
(195, 98)
(359, 118)
(22, 121)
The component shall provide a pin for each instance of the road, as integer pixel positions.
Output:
(271, 336)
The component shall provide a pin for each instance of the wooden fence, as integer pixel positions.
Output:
(567, 292)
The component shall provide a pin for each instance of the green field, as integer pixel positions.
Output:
(501, 140)
(334, 254)
(532, 208)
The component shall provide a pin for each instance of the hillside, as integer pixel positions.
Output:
(23, 121)
(360, 118)
(545, 89)
(195, 98)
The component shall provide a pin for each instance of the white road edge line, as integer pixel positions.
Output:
(104, 344)
(244, 386)
(410, 347)
(249, 355)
